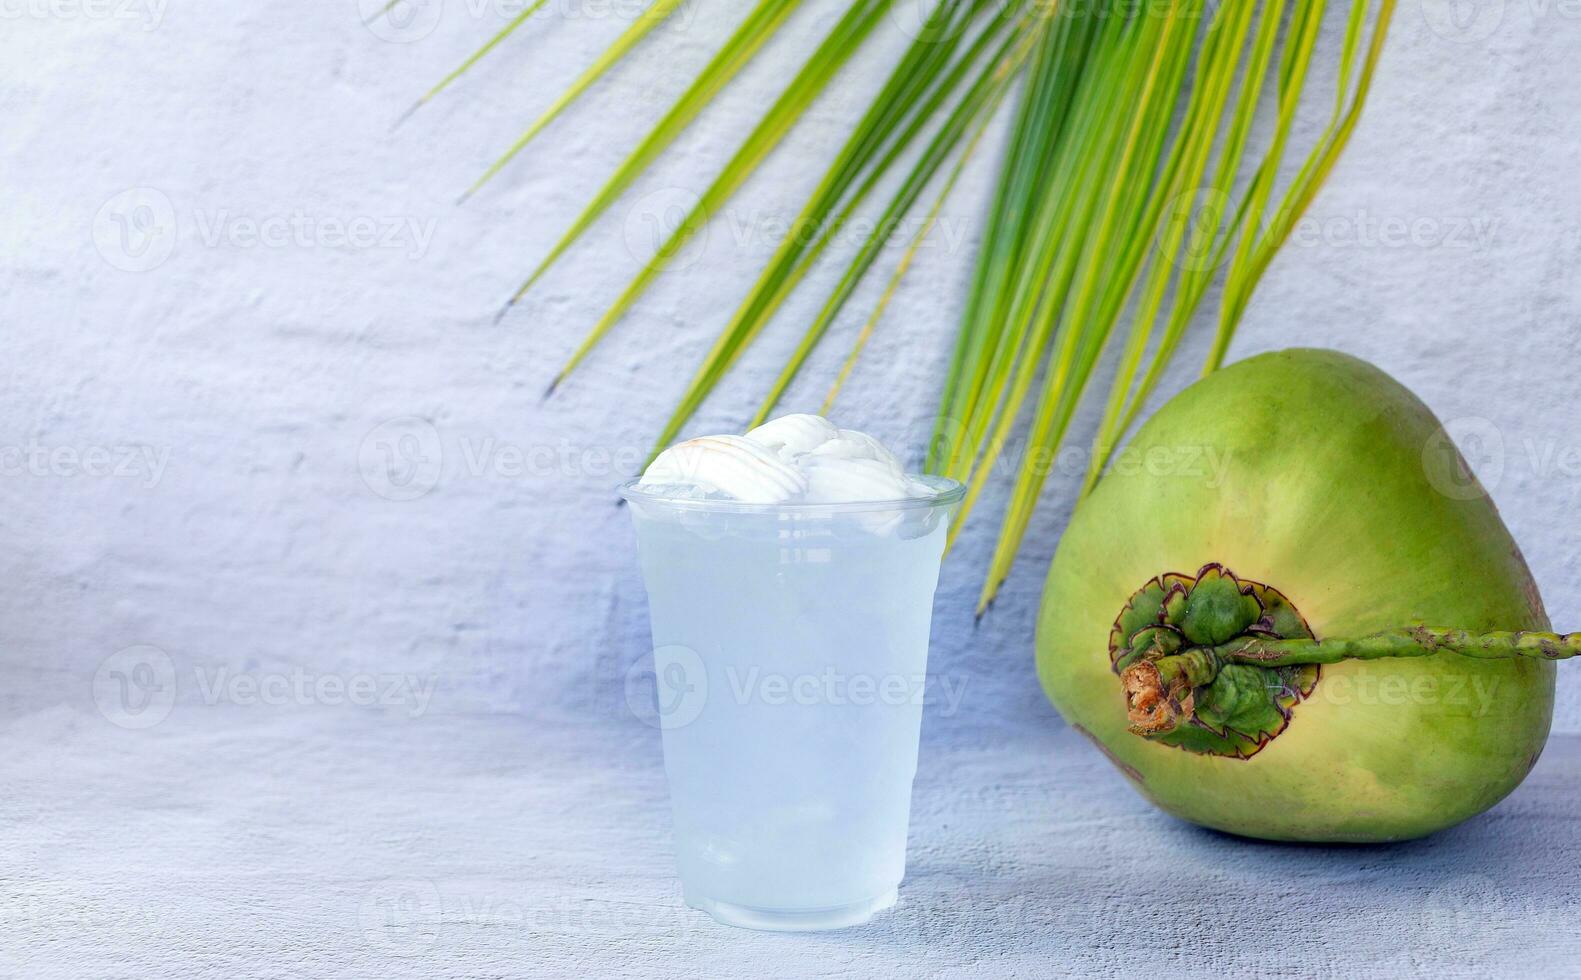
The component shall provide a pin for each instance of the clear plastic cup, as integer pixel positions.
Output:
(790, 652)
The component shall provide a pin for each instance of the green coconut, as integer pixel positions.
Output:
(1290, 612)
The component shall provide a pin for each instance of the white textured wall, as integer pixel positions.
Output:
(252, 386)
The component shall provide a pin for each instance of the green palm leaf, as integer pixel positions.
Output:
(842, 42)
(730, 59)
(1132, 124)
(477, 56)
(639, 29)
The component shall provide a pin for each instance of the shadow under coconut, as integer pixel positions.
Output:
(1129, 889)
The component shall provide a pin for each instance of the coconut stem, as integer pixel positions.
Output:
(1414, 641)
(1159, 693)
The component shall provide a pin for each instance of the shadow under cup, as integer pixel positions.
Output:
(790, 651)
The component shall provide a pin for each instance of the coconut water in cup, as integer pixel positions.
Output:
(790, 651)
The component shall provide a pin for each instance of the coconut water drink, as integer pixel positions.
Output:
(790, 608)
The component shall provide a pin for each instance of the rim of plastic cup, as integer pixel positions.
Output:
(946, 492)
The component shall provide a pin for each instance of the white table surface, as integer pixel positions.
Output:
(315, 842)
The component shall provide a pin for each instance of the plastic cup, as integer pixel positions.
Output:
(790, 654)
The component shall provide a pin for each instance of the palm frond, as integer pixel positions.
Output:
(899, 275)
(1300, 194)
(729, 60)
(838, 47)
(985, 92)
(1132, 125)
(639, 29)
(476, 56)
